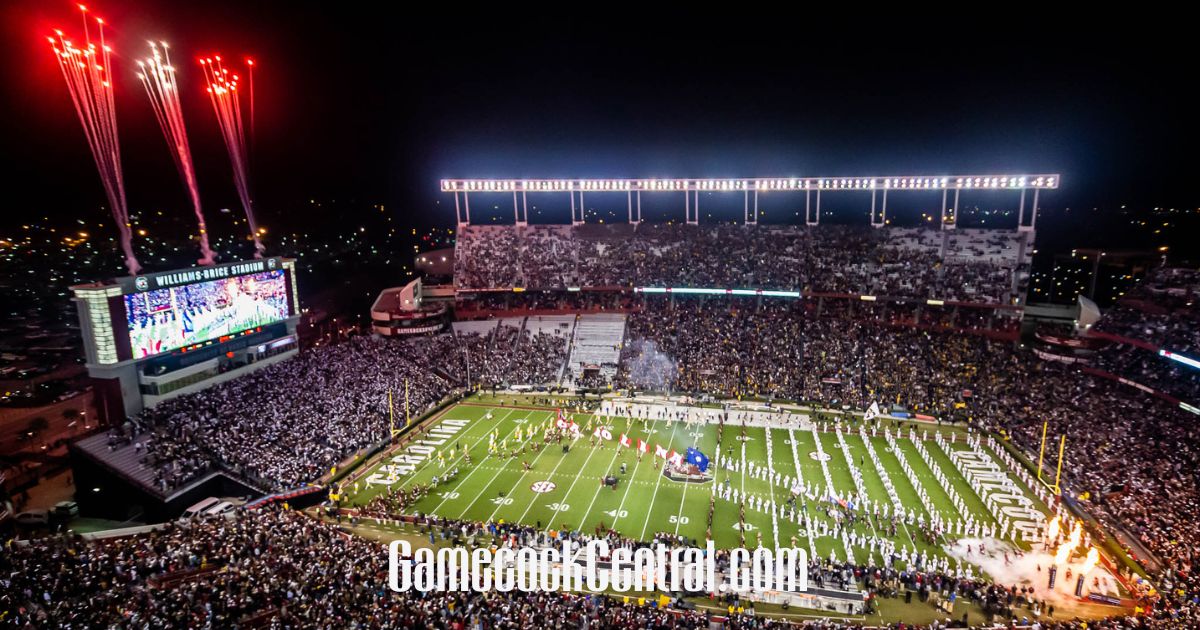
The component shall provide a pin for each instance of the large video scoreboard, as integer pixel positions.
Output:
(137, 329)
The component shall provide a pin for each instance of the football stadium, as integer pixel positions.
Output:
(619, 383)
(941, 399)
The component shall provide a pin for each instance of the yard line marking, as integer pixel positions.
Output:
(552, 473)
(610, 465)
(626, 495)
(521, 480)
(429, 460)
(771, 485)
(503, 466)
(473, 469)
(650, 509)
(572, 487)
(683, 499)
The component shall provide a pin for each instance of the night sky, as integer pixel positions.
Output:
(374, 107)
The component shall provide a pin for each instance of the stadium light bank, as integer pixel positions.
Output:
(750, 189)
(596, 567)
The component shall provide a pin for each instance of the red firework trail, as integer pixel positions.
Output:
(86, 72)
(250, 76)
(158, 77)
(222, 91)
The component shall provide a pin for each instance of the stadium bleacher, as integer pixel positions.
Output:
(596, 346)
(987, 266)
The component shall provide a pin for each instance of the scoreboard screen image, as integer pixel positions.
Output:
(165, 319)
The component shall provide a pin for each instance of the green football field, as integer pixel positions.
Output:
(566, 490)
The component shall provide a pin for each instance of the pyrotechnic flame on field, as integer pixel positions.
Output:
(1093, 556)
(1060, 556)
(1065, 549)
(1052, 530)
(158, 77)
(222, 87)
(86, 72)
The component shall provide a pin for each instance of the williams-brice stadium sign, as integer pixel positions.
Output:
(181, 277)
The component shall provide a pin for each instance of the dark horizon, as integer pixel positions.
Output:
(364, 107)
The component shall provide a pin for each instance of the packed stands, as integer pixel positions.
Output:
(1162, 311)
(959, 265)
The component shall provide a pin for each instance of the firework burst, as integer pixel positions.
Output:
(86, 70)
(158, 77)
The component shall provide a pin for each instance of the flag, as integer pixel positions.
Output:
(561, 422)
(659, 451)
(872, 412)
(643, 447)
(675, 458)
(625, 441)
(697, 459)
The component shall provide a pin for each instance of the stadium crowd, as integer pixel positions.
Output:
(278, 568)
(290, 423)
(1148, 368)
(776, 350)
(1163, 310)
(268, 568)
(1160, 313)
(972, 265)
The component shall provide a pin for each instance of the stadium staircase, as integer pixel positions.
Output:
(125, 460)
(562, 370)
(597, 341)
(516, 344)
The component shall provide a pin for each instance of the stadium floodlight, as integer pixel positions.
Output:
(1188, 361)
(820, 184)
(708, 291)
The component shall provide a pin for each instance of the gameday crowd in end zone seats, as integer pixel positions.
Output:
(969, 265)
